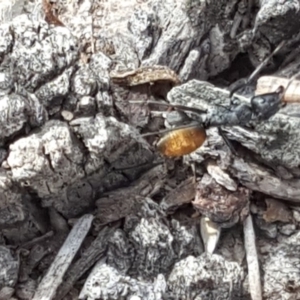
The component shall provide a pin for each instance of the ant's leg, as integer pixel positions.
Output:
(227, 142)
(238, 87)
(177, 106)
(150, 164)
(170, 129)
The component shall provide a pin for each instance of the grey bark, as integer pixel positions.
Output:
(70, 144)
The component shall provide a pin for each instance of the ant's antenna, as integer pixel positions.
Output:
(151, 164)
(258, 69)
(265, 62)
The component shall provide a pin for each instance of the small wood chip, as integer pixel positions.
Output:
(210, 233)
(144, 75)
(276, 211)
(53, 278)
(221, 177)
(252, 260)
(49, 16)
(184, 193)
(219, 204)
(269, 84)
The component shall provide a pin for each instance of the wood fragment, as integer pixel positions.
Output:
(53, 278)
(268, 84)
(88, 258)
(258, 178)
(252, 260)
(73, 165)
(219, 204)
(6, 292)
(119, 203)
(210, 233)
(276, 211)
(49, 16)
(221, 177)
(144, 75)
(37, 240)
(184, 193)
(9, 266)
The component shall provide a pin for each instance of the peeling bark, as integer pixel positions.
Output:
(71, 144)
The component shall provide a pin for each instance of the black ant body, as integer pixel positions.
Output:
(185, 139)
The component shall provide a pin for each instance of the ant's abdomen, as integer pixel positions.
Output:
(181, 141)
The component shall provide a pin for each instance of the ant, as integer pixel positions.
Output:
(185, 139)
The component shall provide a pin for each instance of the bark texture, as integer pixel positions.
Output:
(71, 144)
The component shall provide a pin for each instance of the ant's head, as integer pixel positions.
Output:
(266, 105)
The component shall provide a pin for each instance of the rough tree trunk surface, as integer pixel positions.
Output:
(89, 209)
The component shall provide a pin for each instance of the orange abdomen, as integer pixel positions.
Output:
(181, 141)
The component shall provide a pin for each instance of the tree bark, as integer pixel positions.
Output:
(71, 142)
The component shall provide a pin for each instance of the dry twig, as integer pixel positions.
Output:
(53, 278)
(252, 260)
